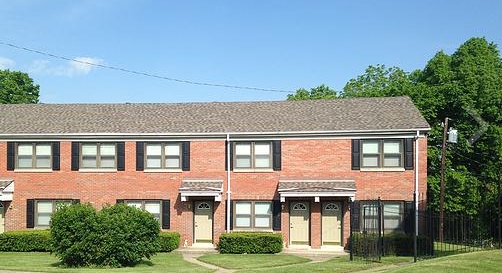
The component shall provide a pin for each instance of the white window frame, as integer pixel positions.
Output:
(252, 156)
(163, 156)
(34, 156)
(98, 156)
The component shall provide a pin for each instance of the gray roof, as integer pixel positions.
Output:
(4, 184)
(306, 185)
(207, 185)
(341, 115)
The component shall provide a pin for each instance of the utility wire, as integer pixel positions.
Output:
(145, 73)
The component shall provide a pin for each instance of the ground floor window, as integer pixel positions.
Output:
(45, 208)
(392, 215)
(253, 215)
(154, 207)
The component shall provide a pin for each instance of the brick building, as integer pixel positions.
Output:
(203, 169)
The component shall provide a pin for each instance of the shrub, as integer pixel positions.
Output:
(118, 235)
(169, 241)
(26, 241)
(250, 242)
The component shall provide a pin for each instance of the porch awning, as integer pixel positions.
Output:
(6, 190)
(201, 187)
(316, 188)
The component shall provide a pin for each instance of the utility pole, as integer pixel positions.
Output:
(442, 187)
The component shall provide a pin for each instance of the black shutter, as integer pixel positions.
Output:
(231, 214)
(356, 154)
(140, 156)
(11, 156)
(276, 212)
(55, 156)
(120, 156)
(355, 216)
(120, 201)
(231, 155)
(185, 161)
(30, 213)
(75, 201)
(166, 214)
(75, 155)
(276, 147)
(408, 154)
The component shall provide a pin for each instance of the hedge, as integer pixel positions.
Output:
(250, 242)
(393, 244)
(26, 241)
(169, 241)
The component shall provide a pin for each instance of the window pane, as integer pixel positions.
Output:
(89, 162)
(243, 149)
(370, 147)
(43, 162)
(392, 161)
(24, 161)
(136, 204)
(89, 149)
(43, 219)
(107, 149)
(172, 149)
(391, 223)
(153, 161)
(370, 161)
(24, 149)
(392, 209)
(242, 161)
(262, 221)
(243, 208)
(243, 221)
(107, 162)
(152, 207)
(262, 161)
(172, 162)
(44, 207)
(392, 146)
(153, 149)
(263, 208)
(43, 149)
(262, 148)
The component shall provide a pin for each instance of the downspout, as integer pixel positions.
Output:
(416, 182)
(228, 183)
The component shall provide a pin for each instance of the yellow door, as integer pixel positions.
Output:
(1, 219)
(331, 223)
(299, 222)
(203, 222)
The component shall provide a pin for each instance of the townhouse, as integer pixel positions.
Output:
(203, 169)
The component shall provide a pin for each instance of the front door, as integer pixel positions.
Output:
(203, 222)
(299, 223)
(1, 218)
(331, 223)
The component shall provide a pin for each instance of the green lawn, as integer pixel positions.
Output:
(246, 261)
(44, 262)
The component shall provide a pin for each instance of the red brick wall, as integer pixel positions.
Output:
(309, 159)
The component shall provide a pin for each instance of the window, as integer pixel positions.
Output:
(45, 209)
(34, 155)
(151, 206)
(392, 216)
(163, 155)
(382, 153)
(253, 215)
(253, 155)
(98, 155)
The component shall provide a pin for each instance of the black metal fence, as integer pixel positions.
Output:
(380, 227)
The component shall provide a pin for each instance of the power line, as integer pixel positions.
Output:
(145, 73)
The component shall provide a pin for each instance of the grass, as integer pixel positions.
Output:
(44, 262)
(247, 261)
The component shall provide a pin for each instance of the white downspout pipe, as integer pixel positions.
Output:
(228, 183)
(416, 181)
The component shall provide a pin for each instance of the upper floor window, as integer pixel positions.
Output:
(34, 155)
(382, 153)
(253, 155)
(163, 155)
(253, 215)
(98, 155)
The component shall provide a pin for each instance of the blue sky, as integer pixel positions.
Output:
(267, 44)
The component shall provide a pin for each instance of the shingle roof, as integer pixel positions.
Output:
(207, 185)
(316, 185)
(4, 184)
(357, 114)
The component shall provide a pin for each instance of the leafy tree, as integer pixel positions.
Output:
(316, 93)
(17, 87)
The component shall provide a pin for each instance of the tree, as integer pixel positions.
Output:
(316, 93)
(17, 87)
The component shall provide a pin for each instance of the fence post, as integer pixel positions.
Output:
(379, 224)
(415, 228)
(351, 238)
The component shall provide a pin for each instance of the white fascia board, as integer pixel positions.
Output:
(5, 196)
